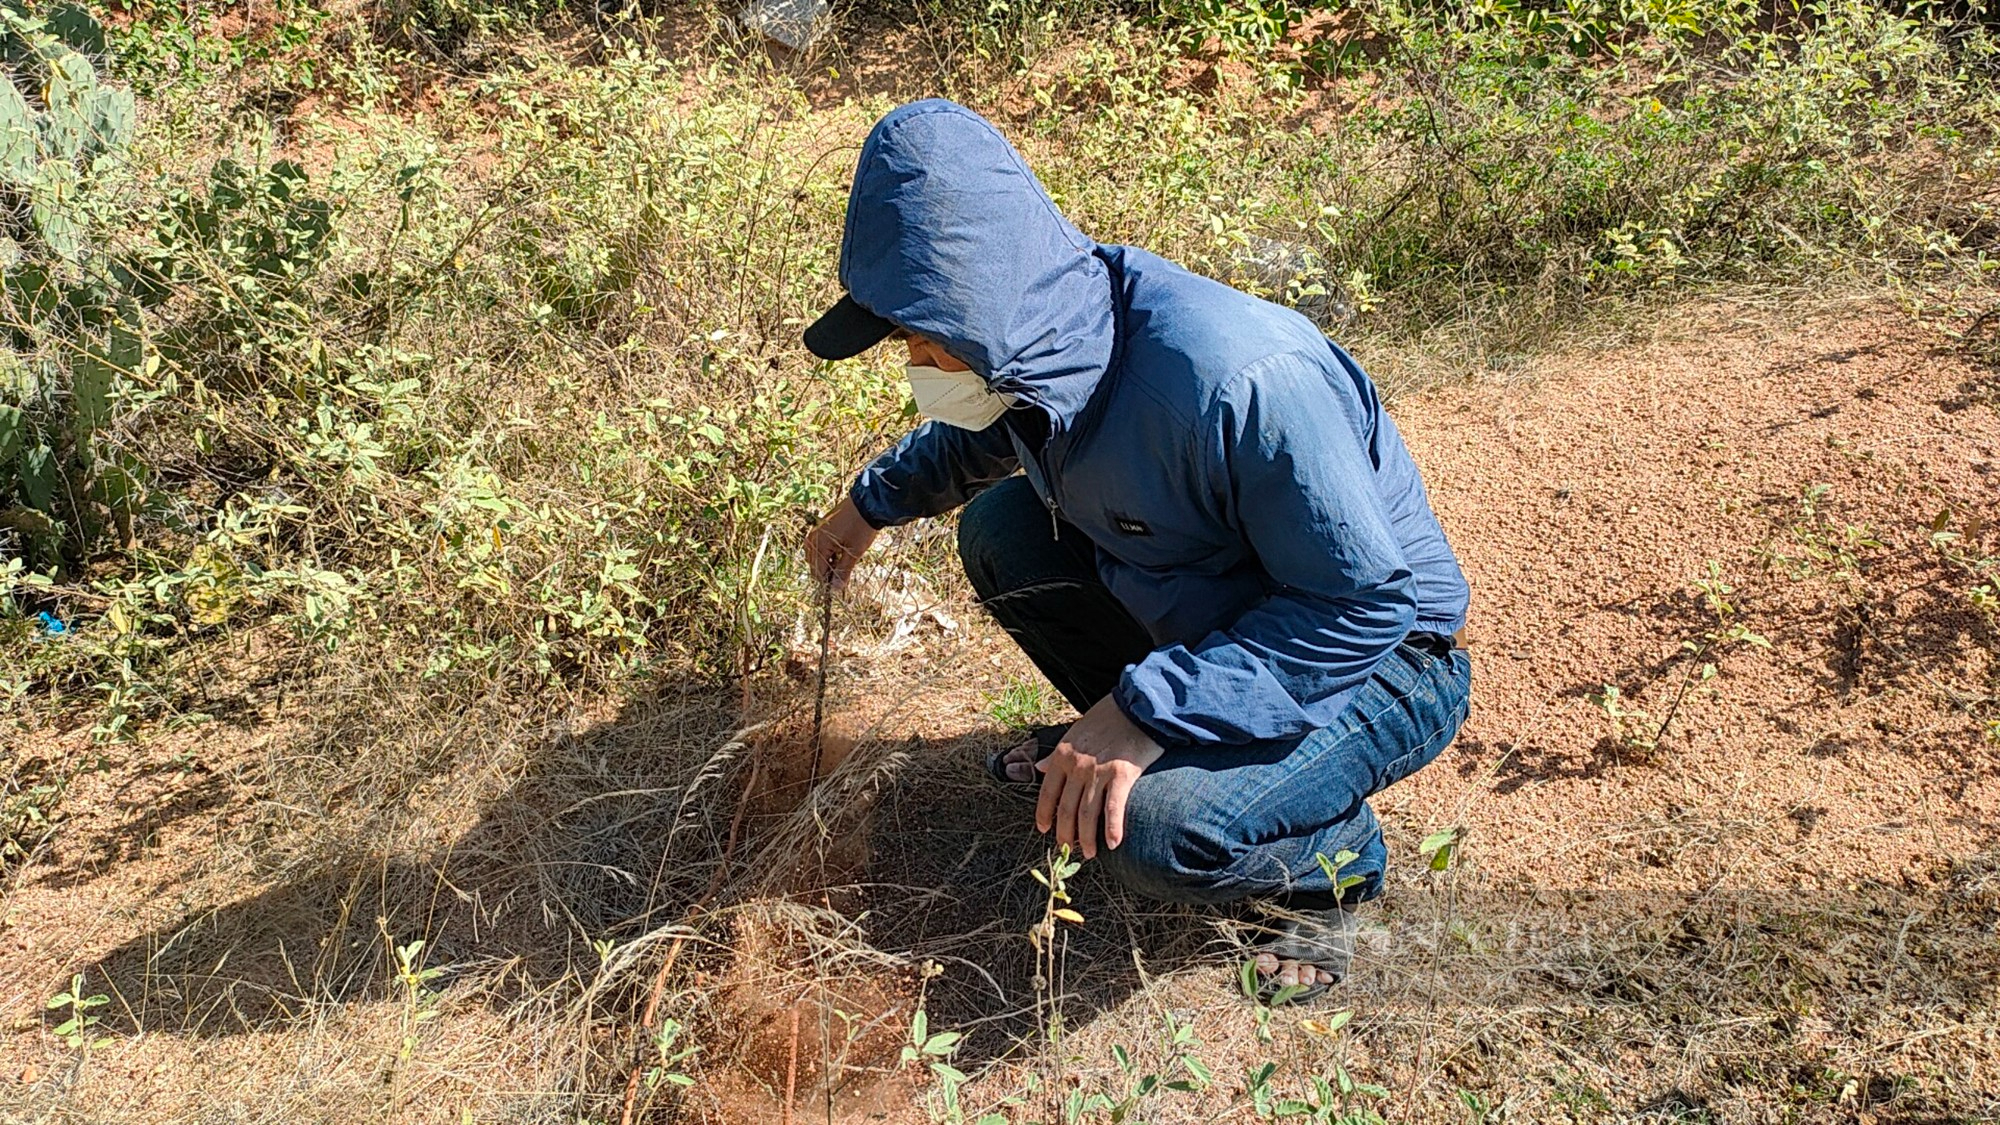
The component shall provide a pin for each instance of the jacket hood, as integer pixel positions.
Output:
(950, 236)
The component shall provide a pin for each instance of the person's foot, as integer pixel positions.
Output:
(1016, 765)
(1019, 763)
(1283, 973)
(1306, 952)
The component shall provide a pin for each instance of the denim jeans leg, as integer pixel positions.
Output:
(1215, 825)
(1039, 581)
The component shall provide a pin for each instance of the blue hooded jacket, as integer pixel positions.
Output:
(1251, 503)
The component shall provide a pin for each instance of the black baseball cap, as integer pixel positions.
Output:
(846, 330)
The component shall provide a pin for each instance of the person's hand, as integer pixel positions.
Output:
(1090, 775)
(838, 543)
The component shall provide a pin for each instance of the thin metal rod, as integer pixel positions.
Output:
(819, 689)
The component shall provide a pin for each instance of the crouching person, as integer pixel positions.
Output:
(1188, 508)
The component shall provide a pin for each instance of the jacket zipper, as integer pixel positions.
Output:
(1049, 482)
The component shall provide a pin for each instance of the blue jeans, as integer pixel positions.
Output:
(1210, 825)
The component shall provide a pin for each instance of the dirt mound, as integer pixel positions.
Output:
(797, 1034)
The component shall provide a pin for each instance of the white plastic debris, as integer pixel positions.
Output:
(794, 23)
(905, 601)
(1276, 267)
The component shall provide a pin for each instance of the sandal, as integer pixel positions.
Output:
(1319, 939)
(1046, 741)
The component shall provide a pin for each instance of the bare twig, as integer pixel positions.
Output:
(792, 1067)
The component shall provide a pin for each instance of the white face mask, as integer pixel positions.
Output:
(956, 398)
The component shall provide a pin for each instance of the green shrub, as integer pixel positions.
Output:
(72, 338)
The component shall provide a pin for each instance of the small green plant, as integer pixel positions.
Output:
(1440, 848)
(1332, 1101)
(1333, 868)
(934, 1050)
(1247, 980)
(1631, 727)
(669, 1057)
(1022, 704)
(1957, 543)
(1634, 728)
(78, 1030)
(1729, 630)
(419, 1002)
(1817, 544)
(1051, 947)
(1478, 1110)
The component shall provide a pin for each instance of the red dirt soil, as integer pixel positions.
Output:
(1585, 508)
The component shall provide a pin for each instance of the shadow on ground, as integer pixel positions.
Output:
(614, 834)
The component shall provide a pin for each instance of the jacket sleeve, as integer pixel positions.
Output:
(1300, 480)
(935, 468)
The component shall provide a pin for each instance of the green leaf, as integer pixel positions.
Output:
(919, 1027)
(1437, 840)
(943, 1043)
(948, 1072)
(1246, 978)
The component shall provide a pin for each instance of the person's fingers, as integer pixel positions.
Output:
(840, 560)
(1115, 795)
(1052, 791)
(1267, 964)
(819, 558)
(1087, 812)
(1072, 797)
(1288, 974)
(1325, 977)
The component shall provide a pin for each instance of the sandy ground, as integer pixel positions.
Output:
(1782, 907)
